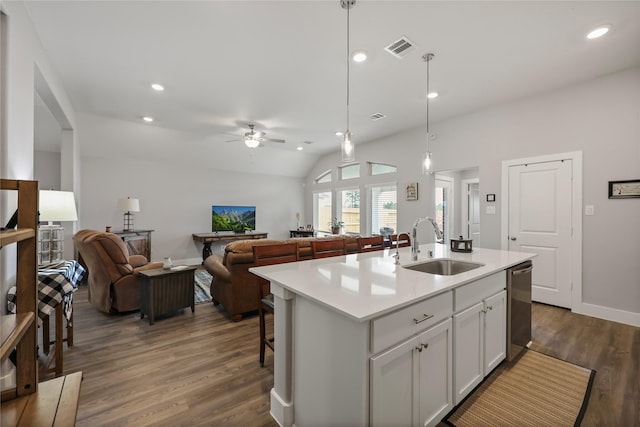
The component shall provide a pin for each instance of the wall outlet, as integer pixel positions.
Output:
(589, 210)
(491, 210)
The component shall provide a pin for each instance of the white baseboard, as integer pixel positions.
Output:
(607, 313)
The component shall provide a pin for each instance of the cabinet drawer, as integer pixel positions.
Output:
(397, 326)
(471, 293)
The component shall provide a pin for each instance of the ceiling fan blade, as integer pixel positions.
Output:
(279, 141)
(234, 140)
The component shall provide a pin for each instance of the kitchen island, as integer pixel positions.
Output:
(361, 340)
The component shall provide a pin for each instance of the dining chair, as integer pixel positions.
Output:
(400, 240)
(327, 248)
(269, 255)
(370, 244)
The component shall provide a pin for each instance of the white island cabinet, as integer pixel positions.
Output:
(479, 325)
(362, 341)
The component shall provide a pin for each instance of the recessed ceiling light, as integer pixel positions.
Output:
(359, 56)
(339, 133)
(432, 95)
(158, 87)
(300, 148)
(148, 119)
(598, 32)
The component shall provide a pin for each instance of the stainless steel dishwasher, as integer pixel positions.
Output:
(518, 308)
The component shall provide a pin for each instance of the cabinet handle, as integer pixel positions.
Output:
(424, 317)
(422, 347)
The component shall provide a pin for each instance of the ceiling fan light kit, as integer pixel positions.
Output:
(254, 139)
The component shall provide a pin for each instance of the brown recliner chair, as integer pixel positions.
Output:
(113, 274)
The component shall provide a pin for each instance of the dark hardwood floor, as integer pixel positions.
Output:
(202, 370)
(611, 349)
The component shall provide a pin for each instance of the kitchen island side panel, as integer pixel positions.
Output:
(330, 367)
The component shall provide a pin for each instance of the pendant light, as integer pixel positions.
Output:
(348, 149)
(427, 162)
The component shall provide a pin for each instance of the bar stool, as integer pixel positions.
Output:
(269, 255)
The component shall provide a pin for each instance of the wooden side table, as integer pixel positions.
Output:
(302, 233)
(164, 291)
(208, 238)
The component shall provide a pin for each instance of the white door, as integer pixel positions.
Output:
(473, 213)
(468, 353)
(394, 385)
(435, 374)
(540, 198)
(444, 205)
(495, 331)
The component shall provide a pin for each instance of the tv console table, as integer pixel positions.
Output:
(208, 238)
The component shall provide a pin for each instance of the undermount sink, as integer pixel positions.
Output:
(444, 266)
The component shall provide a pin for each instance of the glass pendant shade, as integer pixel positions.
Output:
(251, 143)
(348, 150)
(427, 163)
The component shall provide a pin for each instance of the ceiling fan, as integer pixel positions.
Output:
(253, 138)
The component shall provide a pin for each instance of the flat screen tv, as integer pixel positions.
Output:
(233, 218)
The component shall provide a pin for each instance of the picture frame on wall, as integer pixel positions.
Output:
(411, 191)
(624, 189)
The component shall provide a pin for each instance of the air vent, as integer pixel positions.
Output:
(308, 142)
(377, 116)
(400, 47)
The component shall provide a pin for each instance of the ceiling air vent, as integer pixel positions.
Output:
(377, 116)
(400, 47)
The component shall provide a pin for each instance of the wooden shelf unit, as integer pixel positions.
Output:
(53, 402)
(20, 332)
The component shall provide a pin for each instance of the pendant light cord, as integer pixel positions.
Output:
(428, 135)
(348, 67)
(427, 57)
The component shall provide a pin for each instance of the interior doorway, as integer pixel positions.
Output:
(470, 210)
(444, 203)
(457, 212)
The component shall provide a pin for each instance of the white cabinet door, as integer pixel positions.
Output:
(411, 383)
(394, 385)
(468, 326)
(435, 398)
(495, 327)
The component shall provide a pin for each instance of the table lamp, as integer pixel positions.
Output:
(128, 206)
(54, 206)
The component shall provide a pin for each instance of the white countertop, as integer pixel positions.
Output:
(367, 285)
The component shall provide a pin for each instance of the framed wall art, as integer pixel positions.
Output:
(411, 191)
(624, 189)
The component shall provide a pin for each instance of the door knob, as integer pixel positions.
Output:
(513, 238)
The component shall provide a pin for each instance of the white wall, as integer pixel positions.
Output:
(47, 170)
(601, 118)
(175, 198)
(22, 53)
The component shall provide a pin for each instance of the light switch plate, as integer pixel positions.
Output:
(491, 210)
(589, 210)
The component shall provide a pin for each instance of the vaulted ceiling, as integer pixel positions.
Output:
(282, 66)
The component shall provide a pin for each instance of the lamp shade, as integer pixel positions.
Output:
(129, 205)
(57, 206)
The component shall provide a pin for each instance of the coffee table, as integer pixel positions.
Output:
(164, 291)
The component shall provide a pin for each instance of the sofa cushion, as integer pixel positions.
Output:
(241, 251)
